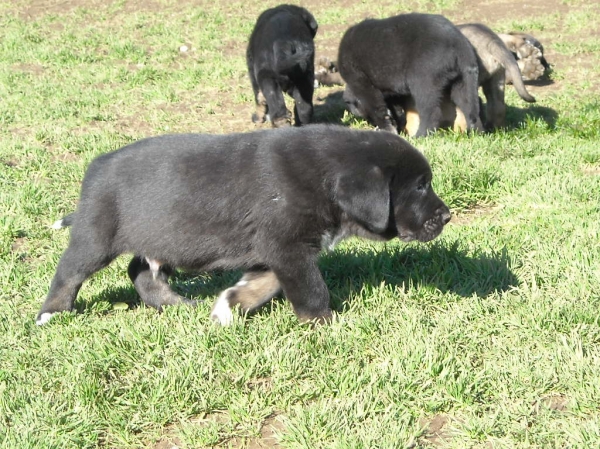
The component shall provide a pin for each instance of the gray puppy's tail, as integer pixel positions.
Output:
(499, 50)
(64, 222)
(292, 55)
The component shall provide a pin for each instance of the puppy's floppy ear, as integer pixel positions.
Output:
(310, 21)
(365, 196)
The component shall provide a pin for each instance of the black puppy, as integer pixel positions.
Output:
(266, 202)
(281, 58)
(423, 56)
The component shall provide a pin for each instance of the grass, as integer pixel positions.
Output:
(487, 337)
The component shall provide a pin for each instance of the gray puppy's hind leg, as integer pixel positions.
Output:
(77, 263)
(150, 280)
(256, 288)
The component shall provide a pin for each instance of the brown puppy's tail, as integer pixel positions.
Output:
(503, 54)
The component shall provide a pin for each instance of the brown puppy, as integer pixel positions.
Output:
(529, 53)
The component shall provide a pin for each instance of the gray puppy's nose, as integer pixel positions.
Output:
(445, 215)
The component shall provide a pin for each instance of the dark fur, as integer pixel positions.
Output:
(265, 202)
(419, 55)
(281, 58)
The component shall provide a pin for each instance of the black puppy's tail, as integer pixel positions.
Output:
(293, 55)
(64, 222)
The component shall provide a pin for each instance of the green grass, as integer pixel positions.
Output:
(493, 328)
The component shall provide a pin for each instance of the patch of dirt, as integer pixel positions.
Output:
(65, 157)
(168, 443)
(466, 217)
(10, 163)
(18, 244)
(493, 11)
(34, 69)
(32, 9)
(434, 432)
(591, 171)
(267, 439)
(267, 435)
(553, 402)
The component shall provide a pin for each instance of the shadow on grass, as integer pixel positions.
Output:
(332, 109)
(515, 117)
(196, 286)
(435, 267)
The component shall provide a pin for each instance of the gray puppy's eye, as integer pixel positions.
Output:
(423, 186)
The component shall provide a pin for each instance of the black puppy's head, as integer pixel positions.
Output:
(394, 198)
(418, 212)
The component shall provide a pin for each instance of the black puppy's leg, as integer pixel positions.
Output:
(280, 116)
(151, 283)
(374, 107)
(303, 98)
(260, 115)
(256, 287)
(464, 94)
(304, 287)
(79, 262)
(428, 102)
(397, 114)
(259, 99)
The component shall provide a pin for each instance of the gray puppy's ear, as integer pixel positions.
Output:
(365, 197)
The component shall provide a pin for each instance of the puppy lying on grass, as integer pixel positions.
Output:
(266, 202)
(529, 53)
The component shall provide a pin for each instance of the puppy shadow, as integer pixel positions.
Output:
(515, 117)
(540, 82)
(112, 295)
(330, 108)
(196, 286)
(438, 267)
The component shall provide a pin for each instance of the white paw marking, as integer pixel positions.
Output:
(44, 318)
(242, 283)
(154, 267)
(329, 240)
(221, 311)
(58, 224)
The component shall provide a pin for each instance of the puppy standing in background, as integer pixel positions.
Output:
(266, 202)
(281, 58)
(421, 56)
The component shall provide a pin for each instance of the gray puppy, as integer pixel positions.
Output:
(266, 202)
